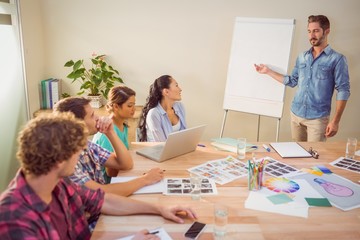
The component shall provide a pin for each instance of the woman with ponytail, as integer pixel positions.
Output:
(163, 112)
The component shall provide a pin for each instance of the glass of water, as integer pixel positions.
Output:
(195, 182)
(221, 220)
(351, 148)
(241, 148)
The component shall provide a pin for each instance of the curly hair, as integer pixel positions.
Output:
(155, 95)
(321, 19)
(76, 105)
(48, 140)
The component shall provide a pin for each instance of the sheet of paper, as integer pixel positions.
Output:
(182, 186)
(278, 169)
(258, 201)
(221, 171)
(230, 148)
(162, 234)
(289, 149)
(298, 207)
(158, 187)
(229, 141)
(348, 164)
(229, 144)
(341, 192)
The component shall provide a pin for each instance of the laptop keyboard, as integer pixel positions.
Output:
(158, 149)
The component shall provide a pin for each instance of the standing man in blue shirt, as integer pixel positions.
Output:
(317, 73)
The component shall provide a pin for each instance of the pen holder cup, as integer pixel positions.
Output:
(255, 178)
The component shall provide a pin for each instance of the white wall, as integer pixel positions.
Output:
(187, 39)
(34, 48)
(13, 98)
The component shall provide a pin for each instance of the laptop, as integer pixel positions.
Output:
(177, 143)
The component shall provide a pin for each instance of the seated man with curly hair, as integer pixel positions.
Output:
(42, 203)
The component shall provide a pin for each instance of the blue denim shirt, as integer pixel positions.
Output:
(316, 80)
(158, 125)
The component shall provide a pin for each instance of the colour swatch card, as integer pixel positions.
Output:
(222, 170)
(348, 164)
(182, 186)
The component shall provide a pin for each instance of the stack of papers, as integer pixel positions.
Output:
(229, 144)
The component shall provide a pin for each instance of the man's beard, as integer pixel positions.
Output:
(317, 42)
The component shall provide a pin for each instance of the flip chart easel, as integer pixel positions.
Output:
(258, 124)
(255, 41)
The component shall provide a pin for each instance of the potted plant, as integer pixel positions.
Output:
(97, 80)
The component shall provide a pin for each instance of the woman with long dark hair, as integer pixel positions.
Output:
(163, 112)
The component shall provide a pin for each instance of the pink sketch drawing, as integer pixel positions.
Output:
(334, 189)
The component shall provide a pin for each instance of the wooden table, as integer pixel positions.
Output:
(322, 223)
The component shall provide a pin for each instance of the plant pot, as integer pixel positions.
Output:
(95, 101)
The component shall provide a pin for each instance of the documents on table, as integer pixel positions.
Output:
(259, 200)
(290, 150)
(341, 192)
(348, 164)
(228, 169)
(229, 144)
(182, 186)
(153, 188)
(160, 232)
(222, 170)
(172, 186)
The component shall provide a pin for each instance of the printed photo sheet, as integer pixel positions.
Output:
(279, 169)
(348, 164)
(182, 186)
(221, 171)
(228, 169)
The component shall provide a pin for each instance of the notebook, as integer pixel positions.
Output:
(290, 150)
(177, 143)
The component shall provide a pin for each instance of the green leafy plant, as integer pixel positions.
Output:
(98, 79)
(65, 95)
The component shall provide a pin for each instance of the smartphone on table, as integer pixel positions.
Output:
(194, 231)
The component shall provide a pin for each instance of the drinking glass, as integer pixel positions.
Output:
(241, 148)
(195, 181)
(351, 148)
(221, 220)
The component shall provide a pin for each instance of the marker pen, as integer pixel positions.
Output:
(266, 147)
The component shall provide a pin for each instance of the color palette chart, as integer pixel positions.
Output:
(281, 185)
